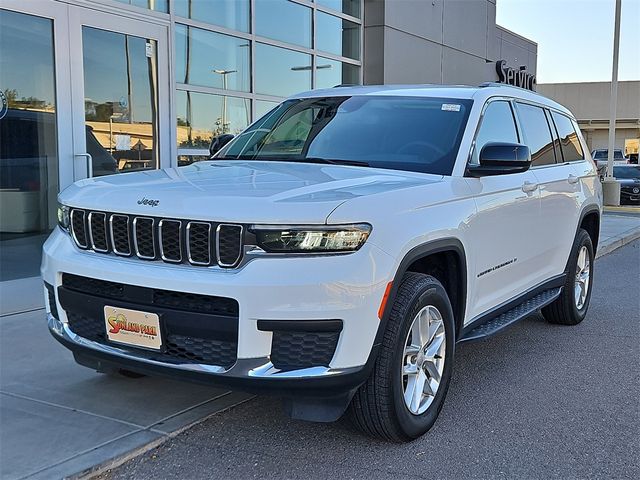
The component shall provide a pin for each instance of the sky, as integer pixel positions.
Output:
(575, 37)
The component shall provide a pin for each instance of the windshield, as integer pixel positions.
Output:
(626, 172)
(405, 133)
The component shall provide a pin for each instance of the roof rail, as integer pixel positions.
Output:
(500, 84)
(346, 85)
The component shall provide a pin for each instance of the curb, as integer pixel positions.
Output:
(618, 242)
(97, 470)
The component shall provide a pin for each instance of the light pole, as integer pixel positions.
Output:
(224, 74)
(611, 188)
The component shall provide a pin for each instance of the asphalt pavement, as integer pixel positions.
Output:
(536, 401)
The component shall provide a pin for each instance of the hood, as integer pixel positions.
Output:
(239, 191)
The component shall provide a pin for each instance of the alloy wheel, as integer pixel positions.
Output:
(583, 273)
(423, 360)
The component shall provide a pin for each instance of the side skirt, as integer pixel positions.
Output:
(513, 311)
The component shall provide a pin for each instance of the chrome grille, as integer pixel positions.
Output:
(143, 238)
(79, 228)
(199, 243)
(120, 238)
(171, 240)
(148, 238)
(98, 231)
(227, 238)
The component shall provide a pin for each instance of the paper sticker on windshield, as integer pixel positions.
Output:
(450, 107)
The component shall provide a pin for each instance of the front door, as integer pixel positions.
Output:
(119, 93)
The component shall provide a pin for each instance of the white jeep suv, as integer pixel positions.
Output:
(336, 251)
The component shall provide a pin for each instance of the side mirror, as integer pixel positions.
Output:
(501, 159)
(218, 142)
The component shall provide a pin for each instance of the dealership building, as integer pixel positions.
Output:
(589, 102)
(95, 87)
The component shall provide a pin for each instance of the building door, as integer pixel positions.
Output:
(120, 94)
(32, 142)
(83, 92)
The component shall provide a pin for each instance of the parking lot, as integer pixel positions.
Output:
(537, 401)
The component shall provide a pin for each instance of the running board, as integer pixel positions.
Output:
(523, 310)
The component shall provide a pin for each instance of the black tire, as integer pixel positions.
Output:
(378, 407)
(564, 310)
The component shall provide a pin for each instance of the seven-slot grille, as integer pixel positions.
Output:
(149, 238)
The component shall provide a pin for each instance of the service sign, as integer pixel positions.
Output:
(518, 78)
(133, 327)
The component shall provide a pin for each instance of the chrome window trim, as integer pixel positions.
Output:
(188, 240)
(160, 242)
(104, 221)
(113, 243)
(73, 230)
(240, 249)
(135, 237)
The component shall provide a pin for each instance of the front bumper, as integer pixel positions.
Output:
(346, 287)
(256, 375)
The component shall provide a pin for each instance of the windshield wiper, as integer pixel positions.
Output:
(333, 161)
(328, 161)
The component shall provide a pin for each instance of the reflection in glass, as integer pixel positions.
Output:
(498, 125)
(571, 149)
(537, 135)
(281, 72)
(337, 36)
(330, 73)
(283, 20)
(28, 142)
(157, 5)
(201, 54)
(120, 75)
(349, 7)
(201, 116)
(263, 107)
(233, 14)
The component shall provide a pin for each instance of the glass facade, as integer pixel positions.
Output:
(229, 61)
(28, 142)
(232, 64)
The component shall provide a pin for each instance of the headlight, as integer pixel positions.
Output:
(63, 216)
(321, 239)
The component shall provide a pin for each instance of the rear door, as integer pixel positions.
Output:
(558, 185)
(504, 232)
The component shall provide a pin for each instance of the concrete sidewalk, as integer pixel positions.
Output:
(618, 228)
(59, 419)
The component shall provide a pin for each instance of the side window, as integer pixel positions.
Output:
(537, 134)
(571, 148)
(497, 125)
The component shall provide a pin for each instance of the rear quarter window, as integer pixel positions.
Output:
(570, 144)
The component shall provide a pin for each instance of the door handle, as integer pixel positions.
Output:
(89, 163)
(529, 187)
(573, 179)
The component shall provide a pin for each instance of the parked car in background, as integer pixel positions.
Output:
(628, 176)
(336, 251)
(633, 158)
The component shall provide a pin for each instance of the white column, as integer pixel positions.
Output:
(610, 186)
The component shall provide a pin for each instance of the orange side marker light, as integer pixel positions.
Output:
(383, 304)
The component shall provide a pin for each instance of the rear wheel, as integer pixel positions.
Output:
(571, 306)
(405, 392)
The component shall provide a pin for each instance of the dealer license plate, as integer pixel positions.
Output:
(133, 327)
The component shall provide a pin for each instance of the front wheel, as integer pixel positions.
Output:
(571, 306)
(406, 390)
